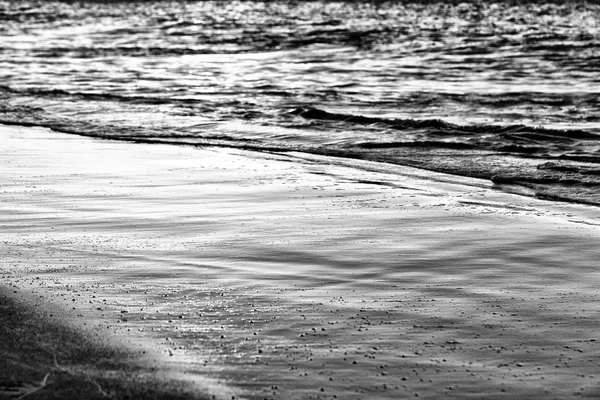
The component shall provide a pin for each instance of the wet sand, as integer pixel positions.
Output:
(290, 276)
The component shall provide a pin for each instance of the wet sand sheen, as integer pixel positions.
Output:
(271, 276)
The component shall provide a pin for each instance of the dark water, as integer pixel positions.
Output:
(504, 91)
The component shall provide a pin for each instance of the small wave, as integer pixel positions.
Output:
(419, 143)
(511, 99)
(54, 93)
(543, 180)
(315, 113)
(122, 51)
(443, 127)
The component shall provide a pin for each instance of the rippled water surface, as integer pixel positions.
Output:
(504, 91)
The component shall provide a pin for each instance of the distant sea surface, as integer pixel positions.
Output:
(507, 91)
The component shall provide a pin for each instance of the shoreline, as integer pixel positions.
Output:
(284, 276)
(507, 183)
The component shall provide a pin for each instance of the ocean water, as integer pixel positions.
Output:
(507, 91)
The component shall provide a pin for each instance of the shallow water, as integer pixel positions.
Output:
(504, 91)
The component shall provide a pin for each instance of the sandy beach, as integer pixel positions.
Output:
(219, 273)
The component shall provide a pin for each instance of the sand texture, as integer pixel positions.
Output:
(251, 275)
